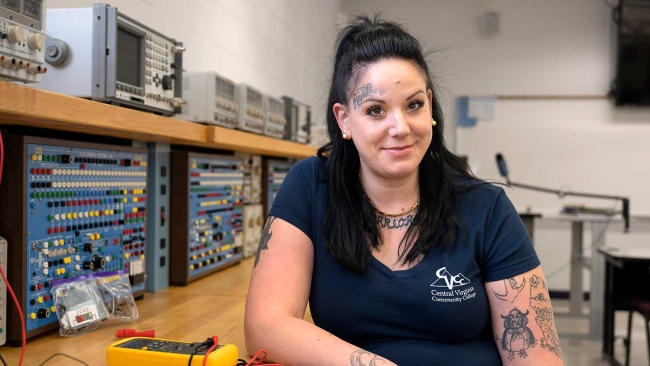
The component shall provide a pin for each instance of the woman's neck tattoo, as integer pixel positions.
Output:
(394, 223)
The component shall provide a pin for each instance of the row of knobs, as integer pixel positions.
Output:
(278, 119)
(16, 34)
(255, 112)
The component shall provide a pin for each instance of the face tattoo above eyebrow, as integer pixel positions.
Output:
(365, 91)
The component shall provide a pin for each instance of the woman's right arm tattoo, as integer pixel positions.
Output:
(264, 242)
(369, 360)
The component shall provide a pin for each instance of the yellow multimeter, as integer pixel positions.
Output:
(139, 351)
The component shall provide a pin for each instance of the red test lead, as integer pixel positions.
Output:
(127, 333)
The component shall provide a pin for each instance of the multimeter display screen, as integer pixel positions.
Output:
(158, 345)
(128, 57)
(137, 343)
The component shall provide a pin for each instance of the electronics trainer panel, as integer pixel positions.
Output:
(206, 234)
(84, 211)
(275, 120)
(116, 59)
(210, 98)
(22, 42)
(276, 171)
(251, 109)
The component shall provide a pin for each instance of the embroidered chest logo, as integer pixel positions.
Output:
(452, 284)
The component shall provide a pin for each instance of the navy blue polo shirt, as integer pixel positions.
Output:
(435, 313)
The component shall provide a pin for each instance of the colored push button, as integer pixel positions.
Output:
(53, 309)
(34, 158)
(135, 209)
(32, 316)
(194, 257)
(124, 200)
(39, 300)
(126, 255)
(74, 215)
(124, 191)
(191, 267)
(68, 216)
(91, 213)
(142, 257)
(96, 213)
(111, 212)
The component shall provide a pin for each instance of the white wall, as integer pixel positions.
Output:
(544, 47)
(281, 47)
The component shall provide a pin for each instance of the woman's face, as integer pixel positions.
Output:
(388, 117)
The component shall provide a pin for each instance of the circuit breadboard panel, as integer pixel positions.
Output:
(85, 212)
(253, 223)
(207, 225)
(276, 171)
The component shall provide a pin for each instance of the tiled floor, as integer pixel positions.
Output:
(588, 353)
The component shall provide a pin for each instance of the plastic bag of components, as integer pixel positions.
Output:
(84, 303)
(79, 306)
(115, 291)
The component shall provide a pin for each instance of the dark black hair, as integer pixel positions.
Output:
(351, 227)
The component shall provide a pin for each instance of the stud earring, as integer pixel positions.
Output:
(345, 136)
(433, 122)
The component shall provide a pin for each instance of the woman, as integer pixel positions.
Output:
(404, 256)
